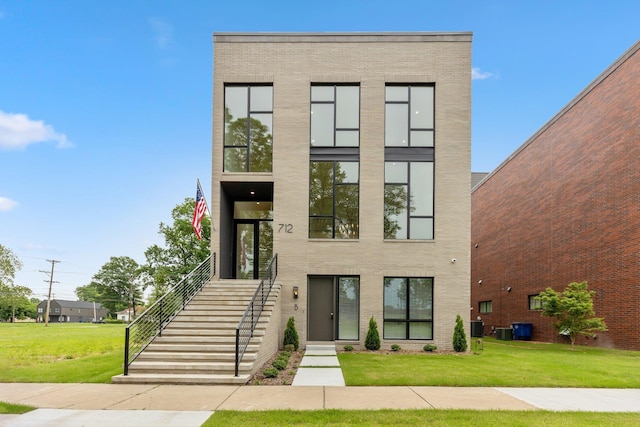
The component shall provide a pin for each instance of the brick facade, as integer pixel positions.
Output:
(565, 207)
(292, 62)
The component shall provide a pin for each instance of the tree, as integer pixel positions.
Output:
(459, 336)
(9, 265)
(14, 302)
(117, 285)
(12, 297)
(573, 311)
(183, 252)
(372, 342)
(90, 293)
(291, 334)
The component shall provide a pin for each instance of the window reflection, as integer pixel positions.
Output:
(248, 137)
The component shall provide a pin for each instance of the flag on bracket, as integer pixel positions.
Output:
(199, 212)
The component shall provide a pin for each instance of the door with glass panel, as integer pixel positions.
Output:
(253, 239)
(333, 308)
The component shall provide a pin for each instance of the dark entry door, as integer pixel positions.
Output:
(321, 309)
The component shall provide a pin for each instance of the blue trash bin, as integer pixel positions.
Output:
(521, 331)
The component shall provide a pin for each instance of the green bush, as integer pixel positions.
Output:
(270, 372)
(290, 348)
(291, 335)
(279, 364)
(348, 347)
(429, 347)
(396, 347)
(372, 341)
(285, 353)
(459, 337)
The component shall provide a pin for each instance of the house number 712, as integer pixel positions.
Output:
(285, 228)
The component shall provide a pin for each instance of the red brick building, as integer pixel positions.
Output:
(565, 207)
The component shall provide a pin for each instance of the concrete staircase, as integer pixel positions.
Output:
(198, 346)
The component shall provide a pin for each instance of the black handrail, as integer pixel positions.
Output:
(246, 326)
(150, 324)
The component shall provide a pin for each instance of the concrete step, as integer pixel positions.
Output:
(179, 357)
(191, 324)
(197, 348)
(182, 331)
(191, 379)
(163, 367)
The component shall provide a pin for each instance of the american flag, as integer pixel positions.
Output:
(199, 212)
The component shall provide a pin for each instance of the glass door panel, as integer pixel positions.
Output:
(245, 239)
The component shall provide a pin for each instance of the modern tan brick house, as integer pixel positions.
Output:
(348, 156)
(565, 207)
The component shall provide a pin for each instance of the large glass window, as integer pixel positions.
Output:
(408, 200)
(335, 116)
(409, 116)
(408, 308)
(409, 162)
(248, 124)
(333, 200)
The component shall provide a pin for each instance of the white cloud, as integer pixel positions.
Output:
(7, 204)
(476, 74)
(163, 32)
(19, 131)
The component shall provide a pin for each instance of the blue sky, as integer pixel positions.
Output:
(105, 107)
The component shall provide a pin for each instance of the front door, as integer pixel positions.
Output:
(253, 247)
(321, 309)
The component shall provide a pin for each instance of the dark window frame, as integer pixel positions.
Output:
(407, 304)
(535, 303)
(334, 154)
(336, 129)
(335, 186)
(250, 112)
(485, 307)
(412, 154)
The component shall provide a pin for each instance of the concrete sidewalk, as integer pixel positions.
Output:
(319, 366)
(119, 397)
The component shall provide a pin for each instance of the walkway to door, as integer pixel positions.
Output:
(319, 366)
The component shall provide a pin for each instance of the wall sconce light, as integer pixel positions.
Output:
(509, 289)
(480, 282)
(295, 292)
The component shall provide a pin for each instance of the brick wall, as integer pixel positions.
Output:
(292, 63)
(565, 208)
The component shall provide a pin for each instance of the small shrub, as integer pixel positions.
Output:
(348, 347)
(270, 372)
(459, 337)
(283, 359)
(396, 347)
(285, 353)
(372, 341)
(429, 347)
(279, 364)
(291, 334)
(290, 348)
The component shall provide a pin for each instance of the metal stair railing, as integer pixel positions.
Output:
(247, 325)
(150, 324)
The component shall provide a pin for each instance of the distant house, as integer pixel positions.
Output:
(61, 311)
(127, 315)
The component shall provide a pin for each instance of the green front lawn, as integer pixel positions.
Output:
(60, 353)
(500, 364)
(427, 417)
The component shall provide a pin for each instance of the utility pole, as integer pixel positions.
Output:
(51, 282)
